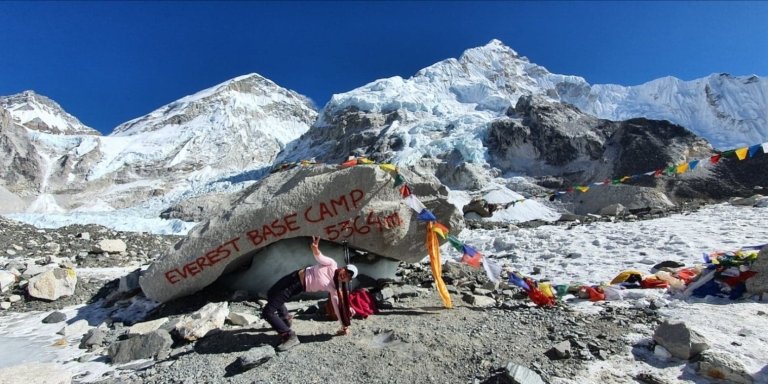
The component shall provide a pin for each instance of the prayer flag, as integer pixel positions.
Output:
(516, 279)
(399, 180)
(433, 250)
(492, 270)
(456, 243)
(715, 158)
(753, 150)
(472, 261)
(426, 215)
(765, 148)
(682, 168)
(658, 172)
(388, 167)
(625, 178)
(364, 160)
(440, 229)
(582, 188)
(349, 163)
(741, 153)
(414, 203)
(692, 165)
(405, 191)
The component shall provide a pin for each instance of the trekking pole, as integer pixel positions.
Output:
(346, 251)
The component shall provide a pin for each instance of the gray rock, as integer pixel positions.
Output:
(255, 357)
(208, 318)
(156, 344)
(53, 284)
(94, 337)
(129, 282)
(54, 317)
(724, 367)
(559, 351)
(356, 204)
(758, 284)
(522, 375)
(109, 246)
(679, 340)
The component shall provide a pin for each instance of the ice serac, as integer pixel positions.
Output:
(358, 204)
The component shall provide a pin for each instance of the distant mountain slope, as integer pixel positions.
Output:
(234, 127)
(39, 113)
(728, 111)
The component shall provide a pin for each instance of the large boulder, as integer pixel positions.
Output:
(359, 205)
(53, 284)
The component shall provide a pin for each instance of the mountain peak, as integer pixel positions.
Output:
(39, 113)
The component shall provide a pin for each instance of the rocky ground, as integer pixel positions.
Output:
(412, 339)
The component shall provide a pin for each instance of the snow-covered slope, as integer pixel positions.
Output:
(234, 127)
(39, 113)
(448, 106)
(728, 111)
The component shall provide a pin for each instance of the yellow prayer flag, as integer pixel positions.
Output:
(741, 153)
(682, 168)
(388, 167)
(364, 160)
(433, 250)
(582, 188)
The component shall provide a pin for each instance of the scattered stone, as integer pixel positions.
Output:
(94, 337)
(243, 319)
(254, 357)
(75, 328)
(679, 340)
(109, 246)
(7, 279)
(146, 327)
(53, 284)
(723, 367)
(5, 305)
(198, 324)
(479, 301)
(559, 351)
(156, 344)
(129, 282)
(518, 374)
(54, 317)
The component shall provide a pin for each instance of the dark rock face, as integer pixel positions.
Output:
(731, 177)
(646, 145)
(355, 132)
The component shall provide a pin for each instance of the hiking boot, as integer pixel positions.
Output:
(289, 341)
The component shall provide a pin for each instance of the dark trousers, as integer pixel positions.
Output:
(275, 312)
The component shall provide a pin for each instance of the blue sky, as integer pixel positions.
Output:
(109, 62)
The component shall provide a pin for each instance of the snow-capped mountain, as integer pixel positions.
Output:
(39, 113)
(447, 106)
(235, 127)
(461, 119)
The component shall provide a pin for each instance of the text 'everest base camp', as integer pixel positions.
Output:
(505, 224)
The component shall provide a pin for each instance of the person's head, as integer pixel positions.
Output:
(347, 273)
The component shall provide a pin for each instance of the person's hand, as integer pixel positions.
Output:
(343, 331)
(315, 241)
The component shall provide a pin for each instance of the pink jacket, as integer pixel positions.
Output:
(319, 277)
